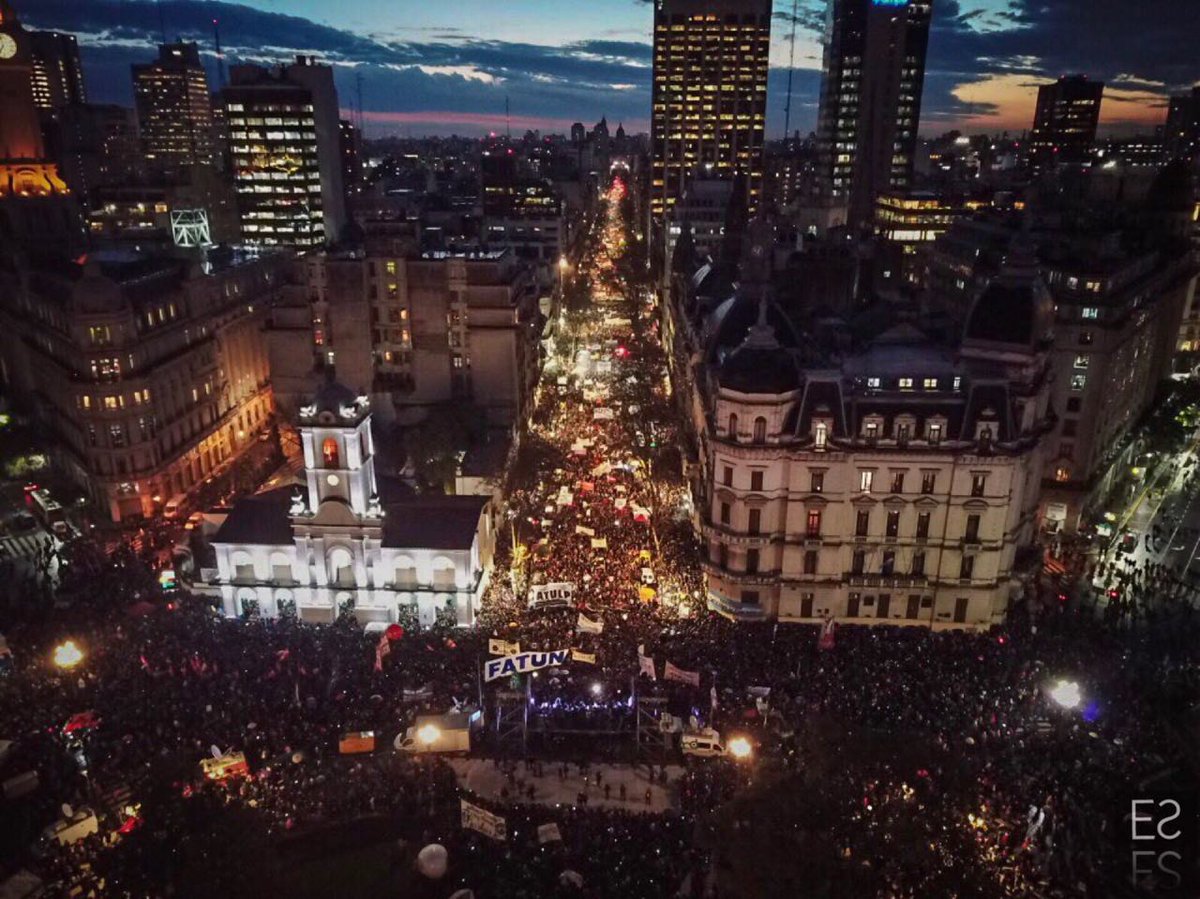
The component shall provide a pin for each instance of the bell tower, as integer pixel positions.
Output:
(339, 451)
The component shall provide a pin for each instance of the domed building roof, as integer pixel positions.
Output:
(760, 363)
(1016, 307)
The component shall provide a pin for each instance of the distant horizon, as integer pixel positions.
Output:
(425, 73)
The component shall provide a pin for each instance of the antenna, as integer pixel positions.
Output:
(220, 54)
(358, 88)
(162, 21)
(787, 109)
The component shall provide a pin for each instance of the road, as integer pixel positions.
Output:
(1164, 524)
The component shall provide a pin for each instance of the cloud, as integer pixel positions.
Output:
(976, 50)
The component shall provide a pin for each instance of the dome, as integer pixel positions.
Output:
(1015, 308)
(760, 363)
(730, 324)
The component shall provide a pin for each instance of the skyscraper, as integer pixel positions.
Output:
(285, 143)
(874, 73)
(57, 73)
(1064, 124)
(174, 109)
(709, 105)
(1181, 133)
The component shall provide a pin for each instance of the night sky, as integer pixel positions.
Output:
(446, 66)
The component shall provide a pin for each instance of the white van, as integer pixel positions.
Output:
(704, 743)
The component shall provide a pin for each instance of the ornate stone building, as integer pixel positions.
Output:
(872, 478)
(345, 540)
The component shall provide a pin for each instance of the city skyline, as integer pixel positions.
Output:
(555, 65)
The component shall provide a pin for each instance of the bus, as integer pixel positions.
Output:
(48, 512)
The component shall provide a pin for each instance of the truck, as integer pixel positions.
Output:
(448, 733)
(704, 743)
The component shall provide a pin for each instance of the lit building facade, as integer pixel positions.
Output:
(413, 330)
(870, 108)
(333, 545)
(57, 72)
(151, 375)
(285, 143)
(709, 104)
(1118, 302)
(36, 209)
(1181, 132)
(907, 222)
(893, 482)
(174, 110)
(1064, 123)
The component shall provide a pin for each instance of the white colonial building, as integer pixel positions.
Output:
(886, 478)
(337, 543)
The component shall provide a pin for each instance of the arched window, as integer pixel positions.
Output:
(733, 427)
(760, 430)
(329, 452)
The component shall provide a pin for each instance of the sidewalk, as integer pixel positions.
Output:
(481, 776)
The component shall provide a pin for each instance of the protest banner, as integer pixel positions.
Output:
(483, 821)
(523, 663)
(552, 596)
(548, 833)
(586, 625)
(680, 675)
(584, 531)
(599, 543)
(588, 658)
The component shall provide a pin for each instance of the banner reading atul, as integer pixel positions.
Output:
(523, 663)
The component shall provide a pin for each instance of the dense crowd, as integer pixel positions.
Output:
(899, 763)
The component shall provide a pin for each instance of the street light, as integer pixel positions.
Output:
(740, 748)
(68, 655)
(428, 734)
(1066, 694)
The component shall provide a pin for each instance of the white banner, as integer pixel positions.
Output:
(552, 596)
(585, 532)
(646, 667)
(587, 626)
(602, 413)
(599, 543)
(524, 663)
(588, 658)
(483, 821)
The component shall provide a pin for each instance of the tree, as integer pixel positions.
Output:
(436, 444)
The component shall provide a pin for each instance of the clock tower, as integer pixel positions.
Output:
(24, 169)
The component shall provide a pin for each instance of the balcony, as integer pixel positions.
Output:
(897, 581)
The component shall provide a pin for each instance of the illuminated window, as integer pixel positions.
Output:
(329, 452)
(1078, 382)
(865, 480)
(906, 383)
(1081, 361)
(1090, 313)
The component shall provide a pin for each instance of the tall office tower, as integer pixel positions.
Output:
(1181, 133)
(57, 73)
(285, 145)
(870, 108)
(174, 111)
(709, 107)
(1064, 124)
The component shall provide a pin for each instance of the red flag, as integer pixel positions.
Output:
(825, 641)
(382, 648)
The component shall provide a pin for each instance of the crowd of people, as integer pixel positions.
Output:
(900, 762)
